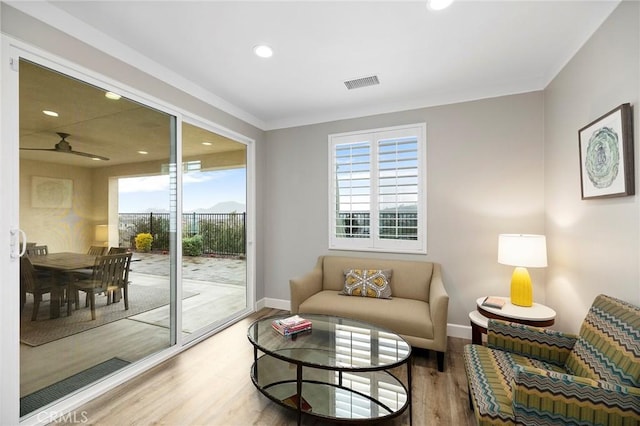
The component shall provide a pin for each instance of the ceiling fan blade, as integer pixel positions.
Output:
(38, 149)
(64, 147)
(86, 154)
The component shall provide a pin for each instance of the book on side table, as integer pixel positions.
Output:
(291, 325)
(493, 302)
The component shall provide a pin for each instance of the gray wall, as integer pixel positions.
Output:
(484, 177)
(593, 245)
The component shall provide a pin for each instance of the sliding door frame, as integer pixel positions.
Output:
(250, 225)
(12, 51)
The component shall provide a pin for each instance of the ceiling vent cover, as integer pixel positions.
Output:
(356, 83)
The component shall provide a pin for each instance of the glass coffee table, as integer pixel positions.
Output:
(340, 367)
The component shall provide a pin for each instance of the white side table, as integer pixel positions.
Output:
(537, 315)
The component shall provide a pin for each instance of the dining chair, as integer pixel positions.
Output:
(81, 274)
(31, 282)
(117, 250)
(110, 274)
(97, 250)
(37, 251)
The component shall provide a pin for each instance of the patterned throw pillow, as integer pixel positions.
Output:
(367, 283)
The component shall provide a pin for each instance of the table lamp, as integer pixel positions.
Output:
(102, 234)
(522, 251)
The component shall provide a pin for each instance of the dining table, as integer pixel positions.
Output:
(62, 264)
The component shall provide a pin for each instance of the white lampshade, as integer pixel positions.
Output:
(526, 250)
(102, 233)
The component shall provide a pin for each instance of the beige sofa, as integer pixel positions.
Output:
(417, 310)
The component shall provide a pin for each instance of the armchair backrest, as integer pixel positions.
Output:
(608, 346)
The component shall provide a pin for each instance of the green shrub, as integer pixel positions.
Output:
(192, 246)
(143, 242)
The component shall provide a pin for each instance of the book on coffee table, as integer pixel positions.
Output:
(291, 325)
(293, 402)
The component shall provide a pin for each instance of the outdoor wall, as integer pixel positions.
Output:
(484, 177)
(61, 229)
(593, 245)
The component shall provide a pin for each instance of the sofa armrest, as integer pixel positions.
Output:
(439, 305)
(543, 396)
(534, 342)
(301, 288)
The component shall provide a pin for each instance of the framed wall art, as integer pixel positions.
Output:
(52, 193)
(606, 155)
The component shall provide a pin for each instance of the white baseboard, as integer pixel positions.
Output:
(461, 331)
(453, 330)
(268, 302)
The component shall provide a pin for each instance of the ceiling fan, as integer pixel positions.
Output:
(64, 147)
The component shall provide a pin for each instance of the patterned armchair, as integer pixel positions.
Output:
(534, 376)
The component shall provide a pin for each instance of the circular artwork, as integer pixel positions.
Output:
(602, 157)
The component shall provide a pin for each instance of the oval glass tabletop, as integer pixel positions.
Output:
(333, 342)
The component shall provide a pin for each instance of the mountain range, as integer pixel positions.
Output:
(223, 207)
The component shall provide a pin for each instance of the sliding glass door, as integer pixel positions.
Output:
(214, 229)
(78, 146)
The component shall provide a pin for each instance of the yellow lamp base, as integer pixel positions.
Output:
(521, 290)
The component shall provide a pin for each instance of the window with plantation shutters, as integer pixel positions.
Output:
(377, 190)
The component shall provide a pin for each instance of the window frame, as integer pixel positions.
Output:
(373, 242)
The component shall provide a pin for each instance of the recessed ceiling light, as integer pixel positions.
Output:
(95, 159)
(438, 4)
(263, 51)
(112, 95)
(50, 113)
(207, 143)
(143, 152)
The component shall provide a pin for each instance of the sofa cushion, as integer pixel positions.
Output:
(403, 316)
(367, 283)
(410, 280)
(608, 346)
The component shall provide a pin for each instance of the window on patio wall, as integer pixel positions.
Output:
(377, 184)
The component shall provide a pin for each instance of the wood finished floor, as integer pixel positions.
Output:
(129, 339)
(209, 385)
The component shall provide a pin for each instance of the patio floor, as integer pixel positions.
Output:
(200, 268)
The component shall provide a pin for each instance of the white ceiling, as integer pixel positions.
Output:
(473, 50)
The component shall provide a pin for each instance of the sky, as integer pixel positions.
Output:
(200, 190)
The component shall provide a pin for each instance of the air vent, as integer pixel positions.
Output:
(356, 83)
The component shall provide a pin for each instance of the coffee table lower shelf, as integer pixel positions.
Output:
(339, 396)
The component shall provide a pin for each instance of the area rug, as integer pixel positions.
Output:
(44, 330)
(71, 384)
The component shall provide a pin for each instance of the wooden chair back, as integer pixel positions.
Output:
(117, 250)
(27, 275)
(97, 250)
(31, 282)
(37, 251)
(111, 270)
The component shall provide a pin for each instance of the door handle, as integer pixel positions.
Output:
(18, 251)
